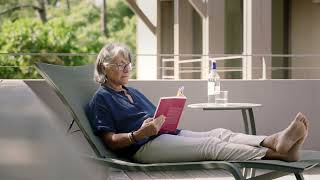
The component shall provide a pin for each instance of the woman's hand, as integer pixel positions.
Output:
(149, 127)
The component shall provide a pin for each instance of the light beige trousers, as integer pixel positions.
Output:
(217, 144)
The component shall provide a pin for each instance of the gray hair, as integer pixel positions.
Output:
(106, 55)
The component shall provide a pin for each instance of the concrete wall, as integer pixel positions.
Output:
(281, 100)
(33, 143)
(146, 42)
(305, 38)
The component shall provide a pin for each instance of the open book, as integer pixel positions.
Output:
(171, 108)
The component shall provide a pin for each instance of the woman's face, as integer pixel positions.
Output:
(118, 70)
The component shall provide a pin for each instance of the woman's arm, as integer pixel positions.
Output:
(116, 141)
(149, 128)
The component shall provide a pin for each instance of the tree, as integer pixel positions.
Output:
(42, 11)
(104, 18)
(40, 8)
(68, 4)
(77, 31)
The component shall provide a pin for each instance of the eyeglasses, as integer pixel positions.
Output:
(121, 67)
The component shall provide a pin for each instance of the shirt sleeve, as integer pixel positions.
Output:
(102, 117)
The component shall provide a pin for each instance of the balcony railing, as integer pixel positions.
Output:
(264, 66)
(184, 66)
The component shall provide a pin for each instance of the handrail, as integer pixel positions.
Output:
(264, 68)
(163, 55)
(264, 65)
(184, 61)
(226, 58)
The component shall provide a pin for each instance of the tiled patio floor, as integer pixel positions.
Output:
(313, 174)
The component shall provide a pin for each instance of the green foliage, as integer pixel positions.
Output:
(74, 31)
(14, 15)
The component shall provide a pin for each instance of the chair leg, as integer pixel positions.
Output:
(299, 176)
(245, 172)
(252, 172)
(232, 169)
(236, 174)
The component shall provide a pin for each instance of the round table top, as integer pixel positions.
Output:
(213, 106)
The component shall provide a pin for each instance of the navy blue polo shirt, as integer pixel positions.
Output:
(111, 111)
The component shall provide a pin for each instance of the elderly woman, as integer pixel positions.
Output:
(123, 118)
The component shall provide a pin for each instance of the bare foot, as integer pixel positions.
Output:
(293, 153)
(291, 156)
(283, 141)
(305, 122)
(293, 133)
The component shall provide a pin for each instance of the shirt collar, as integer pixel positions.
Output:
(114, 91)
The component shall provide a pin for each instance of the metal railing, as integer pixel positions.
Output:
(263, 69)
(263, 66)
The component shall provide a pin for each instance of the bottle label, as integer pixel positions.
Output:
(217, 88)
(211, 88)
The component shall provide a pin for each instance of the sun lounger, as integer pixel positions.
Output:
(75, 86)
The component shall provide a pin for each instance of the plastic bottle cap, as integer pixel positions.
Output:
(214, 65)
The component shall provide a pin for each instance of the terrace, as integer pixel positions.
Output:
(34, 122)
(175, 40)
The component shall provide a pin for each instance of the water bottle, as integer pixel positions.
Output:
(213, 82)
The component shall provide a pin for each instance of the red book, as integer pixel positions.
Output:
(171, 108)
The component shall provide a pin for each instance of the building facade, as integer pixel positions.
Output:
(250, 39)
